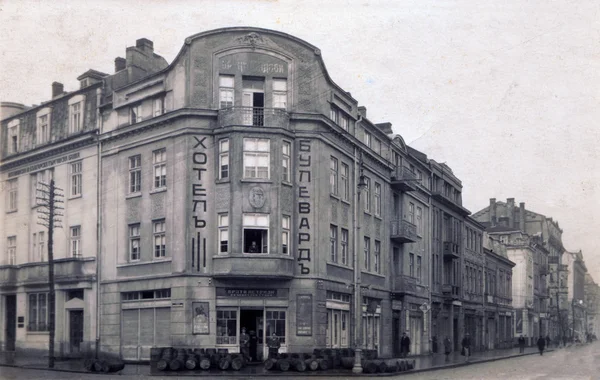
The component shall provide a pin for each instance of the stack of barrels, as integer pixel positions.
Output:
(171, 359)
(103, 365)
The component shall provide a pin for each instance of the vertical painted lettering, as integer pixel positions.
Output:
(199, 201)
(304, 206)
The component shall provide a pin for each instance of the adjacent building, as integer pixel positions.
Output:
(592, 302)
(576, 296)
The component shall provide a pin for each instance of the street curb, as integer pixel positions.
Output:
(291, 373)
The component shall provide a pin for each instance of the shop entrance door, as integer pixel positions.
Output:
(10, 322)
(253, 320)
(75, 330)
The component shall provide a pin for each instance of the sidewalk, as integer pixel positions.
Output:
(422, 363)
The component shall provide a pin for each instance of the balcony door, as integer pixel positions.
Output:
(253, 101)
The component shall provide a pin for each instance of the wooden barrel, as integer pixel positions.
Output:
(369, 366)
(312, 364)
(204, 362)
(88, 364)
(155, 354)
(162, 365)
(382, 367)
(270, 364)
(237, 363)
(225, 362)
(112, 366)
(402, 365)
(393, 367)
(98, 366)
(283, 365)
(347, 362)
(298, 364)
(176, 364)
(191, 361)
(323, 364)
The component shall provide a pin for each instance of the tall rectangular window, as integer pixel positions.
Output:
(158, 106)
(41, 256)
(367, 138)
(377, 199)
(411, 265)
(257, 153)
(134, 242)
(75, 117)
(12, 194)
(377, 146)
(223, 233)
(419, 220)
(160, 247)
(344, 122)
(13, 137)
(377, 257)
(160, 168)
(286, 161)
(367, 194)
(75, 241)
(38, 312)
(285, 234)
(43, 130)
(256, 233)
(367, 249)
(280, 93)
(39, 192)
(76, 179)
(333, 176)
(333, 253)
(334, 115)
(344, 246)
(419, 268)
(224, 159)
(135, 174)
(226, 91)
(136, 113)
(11, 250)
(345, 182)
(411, 212)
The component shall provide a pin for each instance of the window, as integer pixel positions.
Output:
(276, 324)
(75, 241)
(333, 176)
(76, 179)
(158, 106)
(135, 174)
(134, 242)
(136, 113)
(12, 194)
(419, 221)
(344, 246)
(377, 146)
(226, 326)
(411, 212)
(345, 182)
(285, 234)
(146, 295)
(286, 152)
(411, 265)
(223, 233)
(43, 130)
(333, 254)
(224, 159)
(367, 249)
(280, 93)
(367, 138)
(160, 168)
(377, 257)
(367, 194)
(225, 91)
(11, 250)
(13, 137)
(334, 115)
(419, 268)
(256, 158)
(75, 117)
(38, 312)
(41, 253)
(160, 247)
(344, 122)
(256, 233)
(377, 199)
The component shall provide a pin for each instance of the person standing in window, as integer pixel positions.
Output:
(253, 248)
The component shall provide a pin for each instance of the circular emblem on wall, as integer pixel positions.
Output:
(257, 197)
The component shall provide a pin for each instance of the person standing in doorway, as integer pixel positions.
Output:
(404, 345)
(253, 346)
(274, 345)
(447, 348)
(245, 344)
(541, 343)
(466, 347)
(521, 344)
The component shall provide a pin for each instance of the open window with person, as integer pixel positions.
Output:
(256, 233)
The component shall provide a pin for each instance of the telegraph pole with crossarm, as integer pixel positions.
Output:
(47, 198)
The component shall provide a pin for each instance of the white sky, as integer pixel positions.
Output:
(506, 92)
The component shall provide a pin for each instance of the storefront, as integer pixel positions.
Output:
(338, 318)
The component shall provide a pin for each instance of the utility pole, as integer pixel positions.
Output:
(49, 218)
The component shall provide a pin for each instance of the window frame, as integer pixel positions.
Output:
(224, 166)
(367, 194)
(345, 181)
(367, 138)
(135, 113)
(39, 309)
(367, 253)
(76, 117)
(377, 256)
(377, 195)
(12, 195)
(419, 268)
(76, 179)
(411, 264)
(42, 129)
(228, 100)
(41, 246)
(159, 228)
(158, 106)
(344, 244)
(333, 175)
(134, 237)
(13, 130)
(279, 94)
(11, 249)
(135, 174)
(75, 241)
(256, 226)
(286, 153)
(223, 231)
(286, 221)
(256, 155)
(159, 161)
(333, 242)
(419, 220)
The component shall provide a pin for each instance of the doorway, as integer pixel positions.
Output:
(11, 322)
(75, 330)
(253, 101)
(396, 334)
(252, 320)
(457, 339)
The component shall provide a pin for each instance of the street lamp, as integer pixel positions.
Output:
(362, 184)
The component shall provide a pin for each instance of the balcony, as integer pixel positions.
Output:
(254, 117)
(405, 285)
(254, 266)
(403, 179)
(403, 231)
(451, 250)
(451, 292)
(67, 270)
(449, 202)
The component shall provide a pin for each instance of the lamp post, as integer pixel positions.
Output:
(357, 278)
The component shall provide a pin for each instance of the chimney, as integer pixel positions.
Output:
(57, 89)
(145, 45)
(120, 64)
(493, 217)
(510, 205)
(522, 216)
(363, 111)
(385, 127)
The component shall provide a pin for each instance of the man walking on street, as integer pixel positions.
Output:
(521, 344)
(447, 348)
(466, 347)
(541, 343)
(404, 345)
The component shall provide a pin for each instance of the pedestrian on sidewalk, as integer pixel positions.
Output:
(245, 344)
(541, 343)
(404, 345)
(466, 347)
(548, 341)
(521, 344)
(447, 348)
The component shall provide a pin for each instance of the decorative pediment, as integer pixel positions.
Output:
(251, 39)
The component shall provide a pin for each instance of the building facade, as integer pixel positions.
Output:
(52, 141)
(592, 302)
(473, 280)
(576, 295)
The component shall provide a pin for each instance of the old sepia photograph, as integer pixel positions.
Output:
(339, 189)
